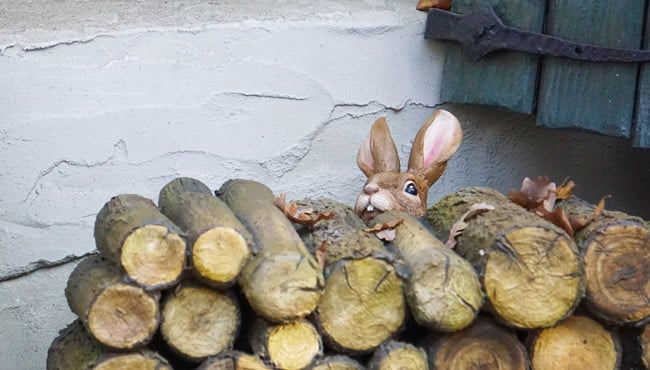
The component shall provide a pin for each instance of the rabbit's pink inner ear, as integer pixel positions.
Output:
(364, 158)
(441, 139)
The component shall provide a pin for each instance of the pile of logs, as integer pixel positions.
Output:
(242, 281)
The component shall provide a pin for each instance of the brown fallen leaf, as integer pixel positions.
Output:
(321, 253)
(385, 231)
(558, 217)
(428, 4)
(460, 225)
(300, 215)
(564, 190)
(535, 193)
(579, 224)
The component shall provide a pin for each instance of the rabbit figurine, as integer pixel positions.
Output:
(388, 188)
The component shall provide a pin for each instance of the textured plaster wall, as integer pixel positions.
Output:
(107, 97)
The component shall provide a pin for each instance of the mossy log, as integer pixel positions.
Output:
(199, 322)
(443, 290)
(363, 303)
(578, 342)
(74, 348)
(484, 345)
(616, 251)
(233, 360)
(530, 270)
(393, 355)
(117, 314)
(291, 346)
(131, 231)
(282, 282)
(336, 362)
(219, 244)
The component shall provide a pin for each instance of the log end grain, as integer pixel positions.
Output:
(644, 341)
(219, 254)
(362, 306)
(283, 286)
(578, 342)
(233, 360)
(153, 256)
(123, 316)
(293, 345)
(198, 322)
(533, 276)
(617, 271)
(398, 355)
(336, 362)
(140, 361)
(484, 345)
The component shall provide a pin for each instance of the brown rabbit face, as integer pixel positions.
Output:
(389, 190)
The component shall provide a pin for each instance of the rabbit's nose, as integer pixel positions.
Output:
(370, 188)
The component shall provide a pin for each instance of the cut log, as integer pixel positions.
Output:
(282, 282)
(117, 314)
(233, 360)
(395, 355)
(75, 348)
(530, 269)
(644, 340)
(131, 231)
(219, 244)
(363, 303)
(616, 251)
(484, 345)
(336, 362)
(443, 290)
(578, 342)
(289, 346)
(198, 322)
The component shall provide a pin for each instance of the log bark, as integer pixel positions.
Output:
(233, 360)
(443, 290)
(530, 270)
(578, 342)
(131, 231)
(484, 345)
(363, 303)
(291, 346)
(616, 251)
(219, 244)
(398, 355)
(75, 348)
(199, 322)
(117, 314)
(282, 282)
(644, 341)
(336, 362)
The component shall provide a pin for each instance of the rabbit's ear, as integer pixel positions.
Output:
(378, 152)
(436, 142)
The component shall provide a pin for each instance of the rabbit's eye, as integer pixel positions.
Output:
(410, 188)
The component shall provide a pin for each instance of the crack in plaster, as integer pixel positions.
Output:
(119, 152)
(41, 265)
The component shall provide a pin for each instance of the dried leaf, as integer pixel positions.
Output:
(535, 193)
(564, 190)
(300, 215)
(387, 234)
(385, 231)
(601, 206)
(321, 253)
(579, 224)
(460, 225)
(558, 217)
(428, 4)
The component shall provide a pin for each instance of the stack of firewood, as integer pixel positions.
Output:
(247, 280)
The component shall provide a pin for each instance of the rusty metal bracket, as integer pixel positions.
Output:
(481, 32)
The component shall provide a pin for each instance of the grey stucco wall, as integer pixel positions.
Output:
(110, 97)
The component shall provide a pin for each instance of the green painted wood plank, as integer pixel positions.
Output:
(597, 97)
(503, 79)
(642, 128)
